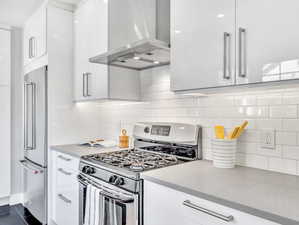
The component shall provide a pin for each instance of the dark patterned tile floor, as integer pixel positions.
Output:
(18, 215)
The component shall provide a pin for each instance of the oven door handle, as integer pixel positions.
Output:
(116, 197)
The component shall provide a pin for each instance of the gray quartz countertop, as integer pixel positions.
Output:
(78, 150)
(269, 195)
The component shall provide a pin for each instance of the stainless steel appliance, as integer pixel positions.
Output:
(35, 144)
(147, 51)
(117, 174)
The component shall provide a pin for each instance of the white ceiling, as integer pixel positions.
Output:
(15, 12)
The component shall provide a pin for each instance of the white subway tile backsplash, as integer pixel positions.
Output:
(290, 125)
(286, 138)
(276, 110)
(283, 165)
(291, 152)
(271, 99)
(255, 161)
(283, 111)
(269, 124)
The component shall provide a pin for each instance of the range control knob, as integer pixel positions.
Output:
(146, 130)
(112, 179)
(88, 170)
(119, 181)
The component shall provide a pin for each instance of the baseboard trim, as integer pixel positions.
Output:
(16, 199)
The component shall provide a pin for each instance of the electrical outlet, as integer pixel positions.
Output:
(267, 139)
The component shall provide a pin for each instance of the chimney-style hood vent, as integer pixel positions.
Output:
(145, 53)
(140, 55)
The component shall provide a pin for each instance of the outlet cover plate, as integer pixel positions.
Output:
(267, 139)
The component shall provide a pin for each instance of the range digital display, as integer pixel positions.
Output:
(160, 130)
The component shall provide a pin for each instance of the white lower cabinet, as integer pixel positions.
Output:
(66, 189)
(165, 206)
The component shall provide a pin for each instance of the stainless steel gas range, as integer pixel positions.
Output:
(117, 174)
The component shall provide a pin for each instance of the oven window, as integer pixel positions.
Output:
(115, 213)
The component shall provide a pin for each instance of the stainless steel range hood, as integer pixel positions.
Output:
(145, 53)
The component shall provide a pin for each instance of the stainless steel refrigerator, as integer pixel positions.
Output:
(35, 143)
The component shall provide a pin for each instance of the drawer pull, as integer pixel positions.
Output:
(64, 199)
(64, 158)
(64, 172)
(226, 218)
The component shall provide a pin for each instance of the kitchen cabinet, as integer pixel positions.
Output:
(165, 206)
(267, 43)
(35, 35)
(90, 27)
(65, 189)
(220, 44)
(92, 36)
(5, 112)
(202, 44)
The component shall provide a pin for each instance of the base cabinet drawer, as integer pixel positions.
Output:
(65, 189)
(165, 206)
(67, 209)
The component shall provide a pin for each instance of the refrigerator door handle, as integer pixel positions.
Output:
(30, 167)
(33, 116)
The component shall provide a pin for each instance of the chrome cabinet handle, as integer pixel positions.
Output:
(64, 158)
(87, 84)
(32, 169)
(33, 116)
(226, 56)
(65, 199)
(242, 53)
(32, 47)
(64, 172)
(227, 218)
(84, 85)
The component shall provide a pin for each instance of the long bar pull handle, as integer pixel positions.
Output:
(64, 172)
(64, 158)
(32, 169)
(227, 218)
(65, 199)
(83, 82)
(33, 116)
(242, 53)
(226, 56)
(30, 48)
(87, 84)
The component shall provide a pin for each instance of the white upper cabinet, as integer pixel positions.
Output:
(35, 35)
(97, 29)
(268, 48)
(206, 32)
(202, 43)
(5, 56)
(90, 27)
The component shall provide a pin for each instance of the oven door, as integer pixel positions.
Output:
(117, 206)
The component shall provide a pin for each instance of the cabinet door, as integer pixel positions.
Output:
(91, 27)
(268, 47)
(35, 35)
(202, 45)
(165, 206)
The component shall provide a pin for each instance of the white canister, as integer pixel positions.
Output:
(224, 153)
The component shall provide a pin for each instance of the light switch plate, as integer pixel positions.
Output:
(267, 139)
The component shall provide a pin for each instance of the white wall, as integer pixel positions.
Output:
(265, 109)
(16, 111)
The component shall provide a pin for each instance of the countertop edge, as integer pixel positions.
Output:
(59, 149)
(234, 205)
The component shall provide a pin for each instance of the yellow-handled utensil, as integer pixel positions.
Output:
(219, 132)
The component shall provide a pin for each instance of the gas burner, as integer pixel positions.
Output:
(134, 160)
